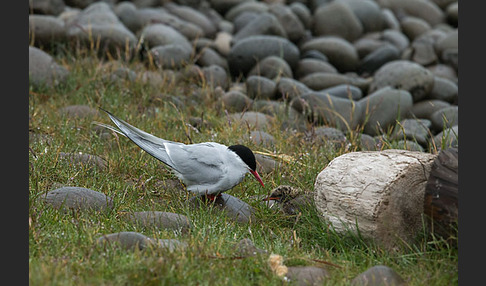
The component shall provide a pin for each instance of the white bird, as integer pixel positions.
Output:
(207, 168)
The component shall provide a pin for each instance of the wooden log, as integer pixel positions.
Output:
(378, 194)
(441, 195)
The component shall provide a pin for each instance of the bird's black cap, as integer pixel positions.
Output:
(245, 154)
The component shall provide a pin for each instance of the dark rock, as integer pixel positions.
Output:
(258, 87)
(270, 107)
(376, 59)
(77, 198)
(261, 138)
(344, 91)
(161, 35)
(307, 66)
(413, 129)
(404, 75)
(369, 14)
(46, 31)
(426, 10)
(43, 70)
(445, 71)
(47, 7)
(303, 13)
(445, 118)
(161, 220)
(445, 90)
(128, 240)
(327, 136)
(193, 16)
(413, 27)
(447, 138)
(247, 52)
(246, 248)
(396, 38)
(307, 275)
(326, 109)
(215, 75)
(171, 56)
(383, 107)
(105, 28)
(235, 101)
(265, 164)
(407, 145)
(294, 29)
(264, 24)
(272, 67)
(251, 119)
(234, 208)
(289, 89)
(321, 80)
(425, 108)
(378, 275)
(342, 55)
(337, 19)
(207, 57)
(245, 6)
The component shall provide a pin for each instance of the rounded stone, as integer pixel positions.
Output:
(160, 35)
(376, 59)
(259, 87)
(235, 101)
(307, 66)
(378, 275)
(43, 70)
(404, 75)
(77, 198)
(383, 107)
(249, 51)
(337, 19)
(445, 118)
(341, 53)
(271, 67)
(46, 31)
(161, 220)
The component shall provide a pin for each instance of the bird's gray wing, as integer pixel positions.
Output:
(199, 163)
(157, 147)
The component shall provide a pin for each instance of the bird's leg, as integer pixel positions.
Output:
(211, 197)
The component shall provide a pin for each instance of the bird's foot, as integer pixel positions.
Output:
(212, 198)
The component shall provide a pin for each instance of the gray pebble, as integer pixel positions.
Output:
(250, 119)
(445, 90)
(129, 240)
(246, 248)
(378, 275)
(171, 56)
(289, 89)
(413, 27)
(307, 275)
(215, 75)
(383, 107)
(376, 59)
(262, 138)
(307, 66)
(344, 91)
(234, 208)
(290, 22)
(161, 35)
(448, 137)
(445, 118)
(266, 164)
(259, 87)
(322, 80)
(425, 108)
(46, 31)
(413, 129)
(404, 75)
(161, 220)
(248, 51)
(425, 10)
(264, 24)
(341, 53)
(47, 7)
(193, 16)
(77, 198)
(337, 19)
(43, 70)
(235, 101)
(272, 67)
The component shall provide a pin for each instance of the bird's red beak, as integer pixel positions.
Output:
(270, 199)
(255, 174)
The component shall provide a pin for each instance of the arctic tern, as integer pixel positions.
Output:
(207, 168)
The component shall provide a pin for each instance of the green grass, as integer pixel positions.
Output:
(62, 245)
